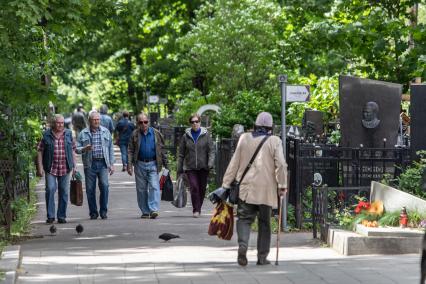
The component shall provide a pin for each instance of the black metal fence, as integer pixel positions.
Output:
(329, 200)
(337, 167)
(12, 185)
(224, 151)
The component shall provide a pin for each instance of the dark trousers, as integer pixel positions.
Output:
(197, 185)
(246, 214)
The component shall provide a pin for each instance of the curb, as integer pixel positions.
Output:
(9, 263)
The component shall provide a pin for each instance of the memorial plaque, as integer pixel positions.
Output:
(369, 112)
(418, 118)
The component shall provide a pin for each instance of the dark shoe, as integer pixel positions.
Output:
(124, 169)
(153, 215)
(242, 256)
(145, 216)
(104, 216)
(93, 216)
(50, 220)
(263, 261)
(62, 221)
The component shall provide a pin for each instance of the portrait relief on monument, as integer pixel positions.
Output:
(369, 115)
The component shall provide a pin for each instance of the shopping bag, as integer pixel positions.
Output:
(76, 191)
(167, 193)
(163, 177)
(180, 192)
(222, 221)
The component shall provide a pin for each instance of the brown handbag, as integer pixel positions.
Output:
(76, 192)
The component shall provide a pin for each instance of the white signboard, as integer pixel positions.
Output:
(154, 99)
(297, 93)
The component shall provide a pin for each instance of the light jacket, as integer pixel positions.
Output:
(48, 141)
(195, 155)
(85, 138)
(160, 153)
(267, 173)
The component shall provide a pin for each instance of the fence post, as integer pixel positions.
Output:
(314, 211)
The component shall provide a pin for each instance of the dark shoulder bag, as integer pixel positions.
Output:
(234, 191)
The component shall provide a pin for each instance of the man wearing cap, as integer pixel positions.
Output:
(264, 181)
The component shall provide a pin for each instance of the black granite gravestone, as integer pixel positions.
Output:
(313, 122)
(369, 112)
(418, 118)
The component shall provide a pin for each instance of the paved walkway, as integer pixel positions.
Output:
(126, 249)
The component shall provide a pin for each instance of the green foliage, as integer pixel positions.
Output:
(324, 97)
(233, 45)
(243, 110)
(390, 219)
(23, 212)
(411, 178)
(372, 38)
(291, 216)
(415, 218)
(345, 218)
(334, 137)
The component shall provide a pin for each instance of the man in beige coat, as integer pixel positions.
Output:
(259, 190)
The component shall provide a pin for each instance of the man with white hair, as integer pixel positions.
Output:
(56, 159)
(265, 179)
(95, 145)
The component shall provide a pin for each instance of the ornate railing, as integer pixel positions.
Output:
(12, 185)
(337, 167)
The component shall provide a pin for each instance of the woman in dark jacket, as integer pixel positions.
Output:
(196, 158)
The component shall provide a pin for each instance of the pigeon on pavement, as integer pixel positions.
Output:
(167, 236)
(79, 229)
(52, 230)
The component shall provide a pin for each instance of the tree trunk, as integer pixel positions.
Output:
(130, 84)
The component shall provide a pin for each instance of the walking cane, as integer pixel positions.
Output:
(280, 212)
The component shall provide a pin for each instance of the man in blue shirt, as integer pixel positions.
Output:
(124, 130)
(146, 153)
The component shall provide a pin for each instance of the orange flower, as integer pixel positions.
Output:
(376, 208)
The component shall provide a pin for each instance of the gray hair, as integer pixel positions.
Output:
(92, 113)
(56, 116)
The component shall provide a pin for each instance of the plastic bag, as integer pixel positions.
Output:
(167, 192)
(180, 192)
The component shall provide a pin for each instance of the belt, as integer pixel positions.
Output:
(98, 159)
(146, 160)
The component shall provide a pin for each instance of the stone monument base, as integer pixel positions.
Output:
(367, 240)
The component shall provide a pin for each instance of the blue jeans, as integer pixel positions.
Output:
(97, 170)
(62, 183)
(123, 150)
(147, 186)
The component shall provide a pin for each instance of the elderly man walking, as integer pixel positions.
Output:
(265, 179)
(146, 153)
(95, 145)
(56, 158)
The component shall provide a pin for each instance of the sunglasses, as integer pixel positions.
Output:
(194, 121)
(143, 122)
